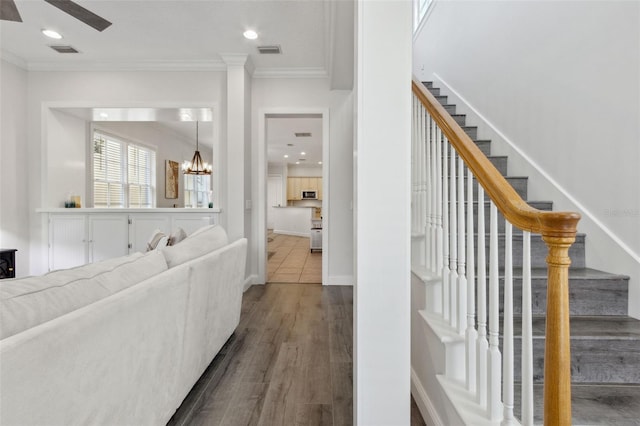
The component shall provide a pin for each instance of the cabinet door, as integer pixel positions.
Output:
(290, 188)
(304, 184)
(142, 227)
(319, 183)
(191, 222)
(67, 241)
(108, 236)
(294, 190)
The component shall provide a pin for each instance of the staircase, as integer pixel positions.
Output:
(605, 342)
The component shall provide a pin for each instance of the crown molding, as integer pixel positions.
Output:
(302, 72)
(13, 59)
(212, 65)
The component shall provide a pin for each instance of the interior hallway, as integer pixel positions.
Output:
(291, 261)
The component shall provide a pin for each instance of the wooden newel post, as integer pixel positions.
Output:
(557, 351)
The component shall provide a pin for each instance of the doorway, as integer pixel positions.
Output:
(294, 202)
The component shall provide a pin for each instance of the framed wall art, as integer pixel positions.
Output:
(171, 179)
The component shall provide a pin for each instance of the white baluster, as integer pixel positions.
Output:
(434, 203)
(453, 243)
(445, 231)
(526, 419)
(439, 237)
(482, 343)
(471, 333)
(462, 255)
(494, 359)
(424, 206)
(507, 339)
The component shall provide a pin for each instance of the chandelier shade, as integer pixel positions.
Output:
(196, 166)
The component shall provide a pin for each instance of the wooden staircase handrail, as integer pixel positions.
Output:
(558, 230)
(506, 199)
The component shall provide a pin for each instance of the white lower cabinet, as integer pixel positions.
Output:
(77, 238)
(108, 237)
(67, 241)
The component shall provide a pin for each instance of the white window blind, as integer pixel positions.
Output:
(197, 190)
(123, 173)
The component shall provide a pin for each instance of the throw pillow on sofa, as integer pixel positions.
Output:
(201, 242)
(176, 236)
(158, 240)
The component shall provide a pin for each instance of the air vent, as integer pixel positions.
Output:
(289, 144)
(302, 159)
(64, 49)
(303, 135)
(269, 50)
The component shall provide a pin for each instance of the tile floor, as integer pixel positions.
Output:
(291, 261)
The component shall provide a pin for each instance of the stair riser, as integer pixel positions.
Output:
(592, 361)
(518, 183)
(539, 251)
(499, 163)
(586, 296)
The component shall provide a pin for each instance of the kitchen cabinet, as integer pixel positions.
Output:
(297, 184)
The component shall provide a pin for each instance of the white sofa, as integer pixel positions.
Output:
(120, 342)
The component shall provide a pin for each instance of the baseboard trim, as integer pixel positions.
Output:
(426, 407)
(339, 280)
(249, 281)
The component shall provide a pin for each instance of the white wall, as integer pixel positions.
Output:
(294, 95)
(15, 168)
(382, 294)
(47, 90)
(306, 171)
(559, 80)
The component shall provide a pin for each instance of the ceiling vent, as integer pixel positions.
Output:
(302, 159)
(64, 49)
(269, 50)
(303, 135)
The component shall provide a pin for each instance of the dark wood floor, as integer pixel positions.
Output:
(288, 363)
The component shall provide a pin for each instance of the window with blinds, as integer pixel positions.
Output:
(123, 173)
(197, 190)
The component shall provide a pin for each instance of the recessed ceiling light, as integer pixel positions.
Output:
(52, 34)
(104, 115)
(303, 153)
(319, 162)
(297, 162)
(250, 34)
(286, 156)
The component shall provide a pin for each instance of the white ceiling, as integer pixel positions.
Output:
(185, 34)
(281, 132)
(316, 38)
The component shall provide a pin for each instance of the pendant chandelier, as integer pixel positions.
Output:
(196, 166)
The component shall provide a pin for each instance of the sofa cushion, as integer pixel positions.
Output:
(27, 302)
(204, 240)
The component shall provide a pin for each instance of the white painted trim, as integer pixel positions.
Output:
(424, 403)
(212, 65)
(423, 21)
(339, 280)
(249, 281)
(13, 59)
(543, 172)
(316, 72)
(261, 196)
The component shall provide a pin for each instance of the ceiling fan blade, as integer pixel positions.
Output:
(79, 12)
(9, 11)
